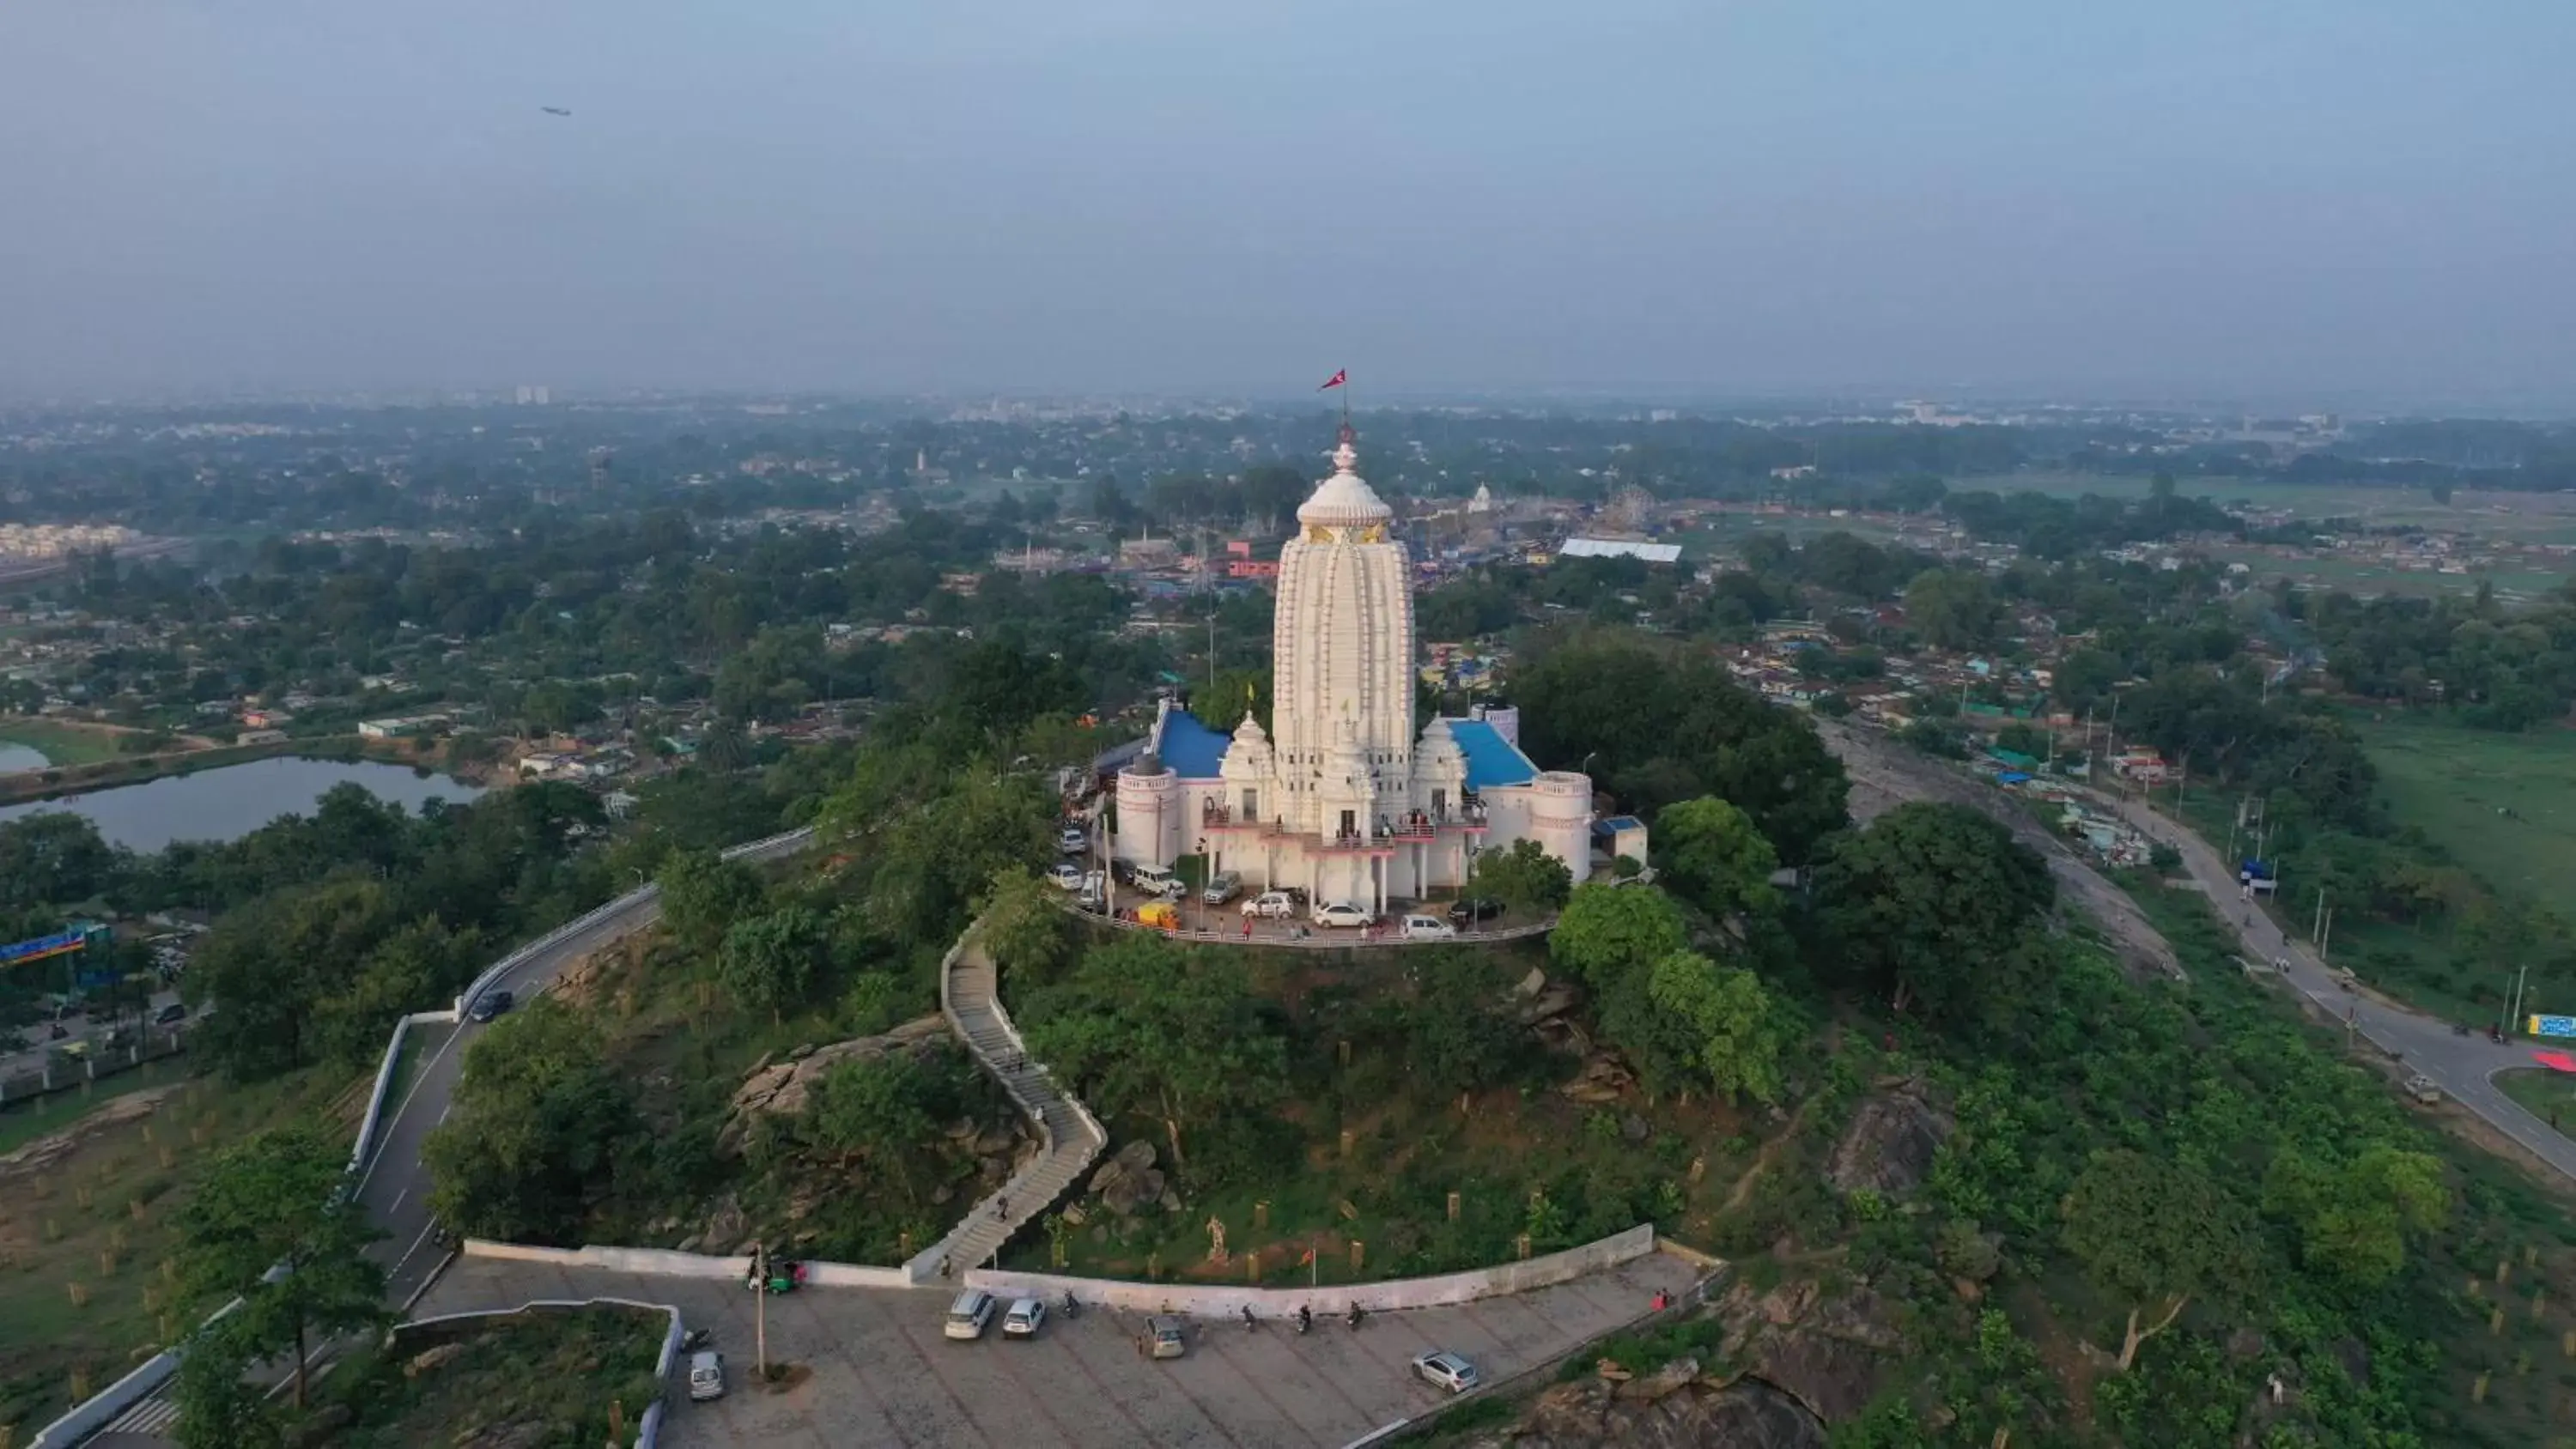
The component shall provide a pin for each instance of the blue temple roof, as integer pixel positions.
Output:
(1191, 749)
(1491, 759)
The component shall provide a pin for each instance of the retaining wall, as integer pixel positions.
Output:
(101, 1409)
(664, 1263)
(1207, 1300)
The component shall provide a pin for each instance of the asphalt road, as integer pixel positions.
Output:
(395, 1187)
(2464, 1067)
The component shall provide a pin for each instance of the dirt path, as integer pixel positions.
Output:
(1885, 774)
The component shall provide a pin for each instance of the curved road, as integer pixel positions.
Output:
(2464, 1067)
(395, 1185)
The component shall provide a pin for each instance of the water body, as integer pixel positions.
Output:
(231, 802)
(19, 757)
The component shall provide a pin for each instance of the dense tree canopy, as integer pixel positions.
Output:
(1931, 906)
(1658, 726)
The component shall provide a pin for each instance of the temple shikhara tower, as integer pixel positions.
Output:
(1342, 797)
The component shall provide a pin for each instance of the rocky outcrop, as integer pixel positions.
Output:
(1674, 1407)
(1893, 1136)
(1129, 1181)
(788, 1086)
(1827, 1350)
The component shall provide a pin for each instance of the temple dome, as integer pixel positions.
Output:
(1345, 500)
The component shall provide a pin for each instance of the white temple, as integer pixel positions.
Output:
(1346, 801)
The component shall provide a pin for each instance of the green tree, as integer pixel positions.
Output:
(1030, 936)
(269, 964)
(52, 858)
(2354, 1220)
(1711, 855)
(1953, 609)
(1609, 933)
(534, 1132)
(1172, 1034)
(1930, 905)
(1454, 1029)
(219, 1407)
(2155, 1235)
(1731, 1018)
(1524, 877)
(769, 960)
(412, 969)
(275, 1203)
(884, 1112)
(704, 894)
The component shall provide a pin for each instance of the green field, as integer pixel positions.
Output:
(2504, 806)
(2550, 1096)
(60, 744)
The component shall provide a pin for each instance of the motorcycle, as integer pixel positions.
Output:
(1305, 1319)
(696, 1338)
(1354, 1318)
(1249, 1323)
(1072, 1309)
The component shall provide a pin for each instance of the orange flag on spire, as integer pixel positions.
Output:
(1337, 379)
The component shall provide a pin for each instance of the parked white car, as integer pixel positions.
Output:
(1428, 928)
(1446, 1370)
(968, 1315)
(706, 1376)
(1271, 905)
(1073, 840)
(1026, 1317)
(1341, 913)
(1064, 877)
(1154, 880)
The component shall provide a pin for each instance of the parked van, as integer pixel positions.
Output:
(706, 1376)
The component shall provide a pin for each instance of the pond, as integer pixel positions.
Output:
(231, 802)
(19, 757)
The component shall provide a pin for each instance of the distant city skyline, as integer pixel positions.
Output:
(2353, 205)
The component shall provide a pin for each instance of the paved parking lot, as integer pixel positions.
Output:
(883, 1375)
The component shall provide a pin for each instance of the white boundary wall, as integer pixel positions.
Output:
(1204, 1300)
(663, 1263)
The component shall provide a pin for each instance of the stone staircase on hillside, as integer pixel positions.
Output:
(970, 996)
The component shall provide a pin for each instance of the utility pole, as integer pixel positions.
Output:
(760, 1310)
(2326, 941)
(2317, 927)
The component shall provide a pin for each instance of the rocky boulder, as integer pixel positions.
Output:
(1672, 1408)
(1888, 1147)
(787, 1087)
(1829, 1351)
(1129, 1181)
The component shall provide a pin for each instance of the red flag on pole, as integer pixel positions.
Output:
(1341, 376)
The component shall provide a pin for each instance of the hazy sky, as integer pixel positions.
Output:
(2290, 198)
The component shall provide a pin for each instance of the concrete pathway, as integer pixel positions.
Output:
(970, 995)
(2463, 1066)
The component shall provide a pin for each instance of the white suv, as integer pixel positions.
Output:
(1272, 905)
(1153, 880)
(968, 1315)
(1428, 928)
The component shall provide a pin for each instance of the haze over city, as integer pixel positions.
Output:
(2359, 203)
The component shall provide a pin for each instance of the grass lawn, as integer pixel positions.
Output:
(86, 1277)
(2504, 806)
(59, 743)
(2550, 1096)
(584, 1376)
(20, 1125)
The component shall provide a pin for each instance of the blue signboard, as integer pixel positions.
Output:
(41, 947)
(2553, 1026)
